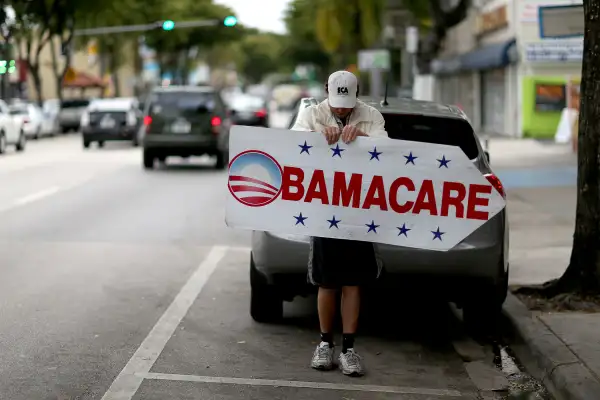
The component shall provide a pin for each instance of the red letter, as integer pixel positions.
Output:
(449, 200)
(317, 189)
(426, 199)
(376, 195)
(346, 192)
(292, 178)
(403, 181)
(475, 201)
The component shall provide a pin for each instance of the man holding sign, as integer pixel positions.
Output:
(338, 264)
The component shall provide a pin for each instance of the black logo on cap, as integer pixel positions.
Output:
(343, 90)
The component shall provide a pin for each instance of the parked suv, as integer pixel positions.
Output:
(474, 274)
(115, 119)
(185, 121)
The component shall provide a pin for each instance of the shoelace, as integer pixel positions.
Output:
(353, 359)
(323, 353)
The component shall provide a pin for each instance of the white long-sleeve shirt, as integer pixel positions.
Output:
(364, 117)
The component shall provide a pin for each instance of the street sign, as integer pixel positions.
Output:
(374, 59)
(411, 194)
(564, 21)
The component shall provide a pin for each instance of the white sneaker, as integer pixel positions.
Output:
(351, 363)
(323, 357)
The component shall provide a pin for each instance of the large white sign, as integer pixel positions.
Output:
(554, 51)
(402, 193)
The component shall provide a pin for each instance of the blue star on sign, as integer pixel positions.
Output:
(410, 159)
(372, 227)
(437, 234)
(333, 222)
(403, 230)
(300, 219)
(305, 147)
(375, 154)
(337, 151)
(443, 162)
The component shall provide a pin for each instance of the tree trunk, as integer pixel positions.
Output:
(583, 273)
(34, 70)
(58, 78)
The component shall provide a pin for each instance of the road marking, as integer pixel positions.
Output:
(303, 385)
(127, 383)
(36, 196)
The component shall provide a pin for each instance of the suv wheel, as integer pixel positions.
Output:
(483, 312)
(148, 159)
(221, 161)
(266, 305)
(20, 146)
(2, 143)
(86, 144)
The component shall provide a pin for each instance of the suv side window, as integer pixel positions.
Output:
(438, 130)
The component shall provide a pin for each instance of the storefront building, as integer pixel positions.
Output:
(549, 72)
(507, 79)
(482, 80)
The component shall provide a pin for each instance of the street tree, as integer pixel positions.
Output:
(262, 56)
(31, 32)
(175, 48)
(582, 276)
(346, 26)
(301, 43)
(115, 50)
(444, 14)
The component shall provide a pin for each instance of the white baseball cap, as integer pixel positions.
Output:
(342, 87)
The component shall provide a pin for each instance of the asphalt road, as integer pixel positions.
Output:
(119, 283)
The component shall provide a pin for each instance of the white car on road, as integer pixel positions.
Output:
(11, 132)
(33, 120)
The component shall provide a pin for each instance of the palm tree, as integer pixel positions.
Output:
(345, 26)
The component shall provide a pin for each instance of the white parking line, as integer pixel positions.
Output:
(36, 196)
(303, 385)
(127, 382)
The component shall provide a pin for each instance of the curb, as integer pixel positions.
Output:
(547, 357)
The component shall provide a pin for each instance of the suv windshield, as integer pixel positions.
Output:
(74, 103)
(181, 103)
(426, 129)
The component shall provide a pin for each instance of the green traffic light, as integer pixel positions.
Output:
(230, 21)
(168, 25)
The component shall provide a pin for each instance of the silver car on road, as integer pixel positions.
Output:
(474, 274)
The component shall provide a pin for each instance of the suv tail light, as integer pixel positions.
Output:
(496, 183)
(261, 113)
(147, 122)
(215, 122)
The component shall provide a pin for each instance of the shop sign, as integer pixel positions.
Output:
(554, 51)
(550, 97)
(529, 9)
(492, 21)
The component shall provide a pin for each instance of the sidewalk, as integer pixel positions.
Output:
(561, 349)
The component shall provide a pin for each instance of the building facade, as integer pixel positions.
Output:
(498, 69)
(81, 62)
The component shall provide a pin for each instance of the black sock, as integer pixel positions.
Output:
(327, 338)
(347, 341)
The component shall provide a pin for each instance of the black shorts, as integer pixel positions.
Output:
(334, 263)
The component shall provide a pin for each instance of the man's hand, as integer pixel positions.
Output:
(350, 133)
(332, 134)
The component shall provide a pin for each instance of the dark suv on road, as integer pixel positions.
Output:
(185, 121)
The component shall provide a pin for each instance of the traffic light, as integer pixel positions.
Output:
(168, 25)
(230, 21)
(8, 66)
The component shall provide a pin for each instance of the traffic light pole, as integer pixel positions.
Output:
(106, 30)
